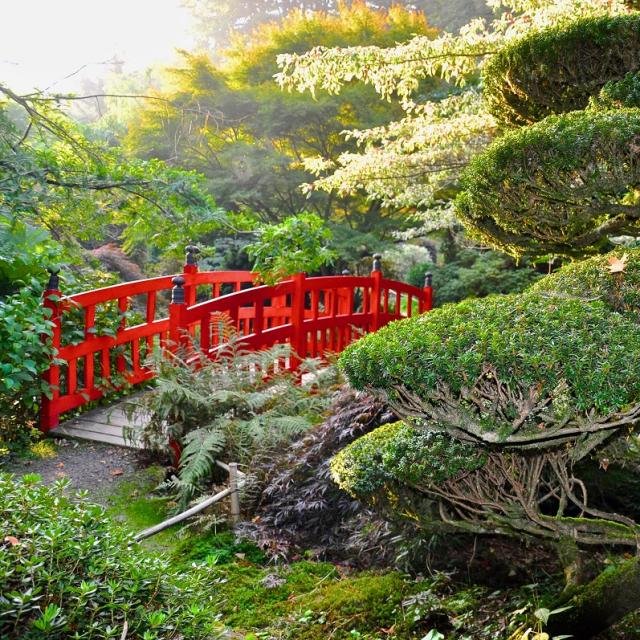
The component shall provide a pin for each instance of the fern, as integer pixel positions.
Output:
(240, 407)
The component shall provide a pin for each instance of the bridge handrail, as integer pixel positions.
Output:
(315, 316)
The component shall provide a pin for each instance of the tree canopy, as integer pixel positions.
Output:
(231, 122)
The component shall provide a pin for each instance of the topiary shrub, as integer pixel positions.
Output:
(395, 453)
(562, 186)
(518, 371)
(537, 382)
(558, 69)
(617, 94)
(68, 572)
(598, 278)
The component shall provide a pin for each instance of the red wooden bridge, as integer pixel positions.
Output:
(315, 316)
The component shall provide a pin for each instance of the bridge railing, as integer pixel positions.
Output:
(315, 316)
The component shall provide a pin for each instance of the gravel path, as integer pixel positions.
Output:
(88, 465)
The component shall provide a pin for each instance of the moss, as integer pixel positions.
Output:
(367, 603)
(557, 69)
(251, 597)
(216, 549)
(133, 503)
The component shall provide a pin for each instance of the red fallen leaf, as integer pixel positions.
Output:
(117, 472)
(60, 465)
(390, 631)
(12, 540)
(618, 265)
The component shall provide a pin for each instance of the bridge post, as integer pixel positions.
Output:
(344, 297)
(376, 292)
(298, 333)
(427, 293)
(49, 412)
(190, 266)
(176, 313)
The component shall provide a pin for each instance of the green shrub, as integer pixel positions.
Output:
(468, 367)
(592, 279)
(68, 572)
(24, 357)
(562, 186)
(398, 452)
(558, 69)
(620, 93)
(299, 243)
(473, 274)
(235, 408)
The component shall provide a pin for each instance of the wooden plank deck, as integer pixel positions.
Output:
(105, 424)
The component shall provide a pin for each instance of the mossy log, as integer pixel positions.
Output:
(600, 604)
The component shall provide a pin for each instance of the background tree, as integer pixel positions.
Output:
(215, 20)
(250, 140)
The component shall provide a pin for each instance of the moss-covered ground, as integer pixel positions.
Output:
(308, 600)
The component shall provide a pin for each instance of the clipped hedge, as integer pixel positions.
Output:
(67, 571)
(592, 279)
(399, 453)
(467, 368)
(618, 94)
(558, 69)
(562, 186)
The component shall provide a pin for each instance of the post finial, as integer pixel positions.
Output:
(54, 278)
(428, 279)
(377, 262)
(192, 252)
(177, 293)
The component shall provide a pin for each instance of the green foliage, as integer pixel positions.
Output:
(577, 354)
(473, 274)
(233, 123)
(68, 572)
(55, 177)
(562, 186)
(299, 243)
(216, 549)
(235, 407)
(592, 279)
(558, 69)
(399, 453)
(24, 357)
(621, 93)
(25, 252)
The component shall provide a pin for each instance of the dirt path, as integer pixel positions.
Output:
(88, 465)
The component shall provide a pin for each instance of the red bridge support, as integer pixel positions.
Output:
(316, 316)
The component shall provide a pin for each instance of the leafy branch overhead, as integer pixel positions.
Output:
(75, 186)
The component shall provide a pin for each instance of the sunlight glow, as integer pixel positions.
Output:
(44, 41)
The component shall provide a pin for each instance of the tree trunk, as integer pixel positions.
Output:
(599, 604)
